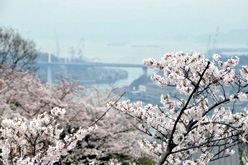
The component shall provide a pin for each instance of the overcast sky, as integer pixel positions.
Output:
(123, 20)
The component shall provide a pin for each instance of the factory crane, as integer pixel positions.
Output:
(216, 39)
(209, 40)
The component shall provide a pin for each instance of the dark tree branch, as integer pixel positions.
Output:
(171, 144)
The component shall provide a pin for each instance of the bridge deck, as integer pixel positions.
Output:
(95, 64)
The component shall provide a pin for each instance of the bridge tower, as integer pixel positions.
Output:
(49, 70)
(144, 70)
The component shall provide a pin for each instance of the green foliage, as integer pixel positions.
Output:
(122, 159)
(145, 161)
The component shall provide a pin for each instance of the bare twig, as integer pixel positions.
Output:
(107, 110)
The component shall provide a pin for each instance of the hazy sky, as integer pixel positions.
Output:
(90, 11)
(125, 20)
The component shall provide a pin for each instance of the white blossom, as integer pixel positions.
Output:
(242, 97)
(230, 152)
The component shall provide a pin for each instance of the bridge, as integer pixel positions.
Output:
(49, 65)
(94, 64)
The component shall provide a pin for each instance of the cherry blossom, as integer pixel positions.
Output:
(37, 141)
(200, 117)
(23, 95)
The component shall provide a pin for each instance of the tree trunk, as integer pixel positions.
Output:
(243, 153)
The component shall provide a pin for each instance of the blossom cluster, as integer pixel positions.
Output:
(37, 141)
(183, 71)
